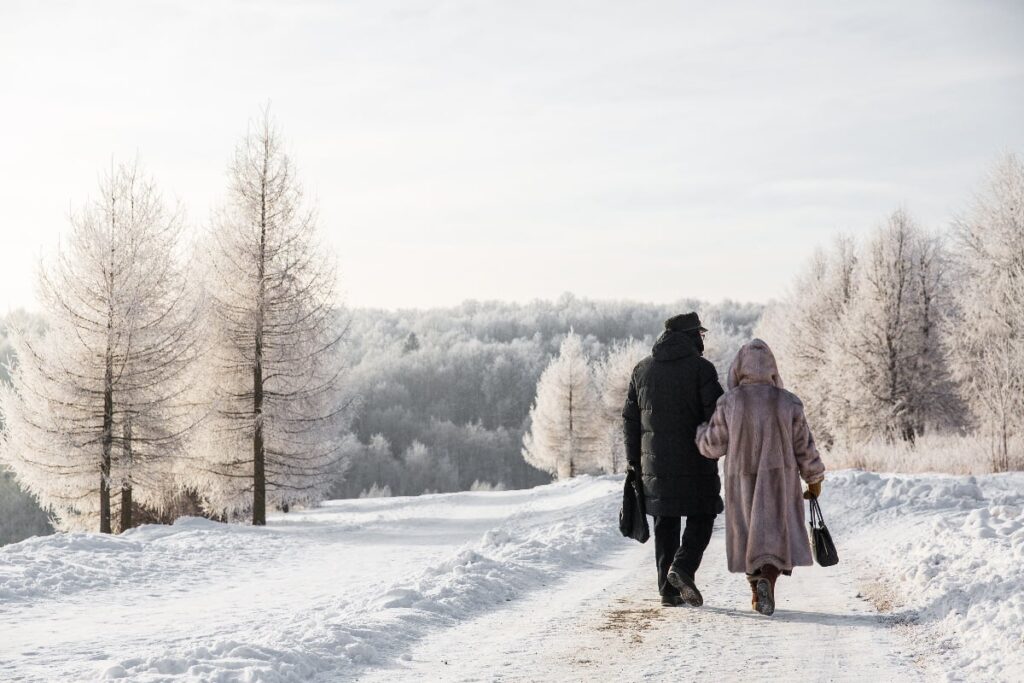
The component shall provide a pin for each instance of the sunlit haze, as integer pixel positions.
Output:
(517, 150)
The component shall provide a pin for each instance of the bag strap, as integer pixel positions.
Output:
(817, 520)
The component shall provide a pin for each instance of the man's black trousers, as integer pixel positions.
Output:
(685, 556)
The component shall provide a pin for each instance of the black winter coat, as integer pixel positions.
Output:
(672, 392)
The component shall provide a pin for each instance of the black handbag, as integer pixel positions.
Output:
(821, 540)
(632, 517)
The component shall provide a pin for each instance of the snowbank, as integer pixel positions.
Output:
(68, 563)
(944, 554)
(535, 546)
(538, 537)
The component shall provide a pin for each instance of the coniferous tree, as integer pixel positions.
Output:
(96, 406)
(274, 369)
(564, 437)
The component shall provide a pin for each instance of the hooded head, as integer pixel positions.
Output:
(754, 364)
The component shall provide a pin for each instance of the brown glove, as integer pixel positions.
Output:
(813, 490)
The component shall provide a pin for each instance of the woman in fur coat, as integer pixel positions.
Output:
(762, 429)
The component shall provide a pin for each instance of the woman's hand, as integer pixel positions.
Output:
(813, 490)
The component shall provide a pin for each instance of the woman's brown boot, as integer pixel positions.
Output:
(765, 589)
(753, 593)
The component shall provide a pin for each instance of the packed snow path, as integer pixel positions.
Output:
(522, 585)
(608, 625)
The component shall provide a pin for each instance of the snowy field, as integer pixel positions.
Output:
(523, 586)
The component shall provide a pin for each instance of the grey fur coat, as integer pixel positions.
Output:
(762, 429)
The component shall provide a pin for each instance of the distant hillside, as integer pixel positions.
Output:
(450, 389)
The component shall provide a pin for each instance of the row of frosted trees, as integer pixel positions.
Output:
(576, 418)
(207, 371)
(913, 331)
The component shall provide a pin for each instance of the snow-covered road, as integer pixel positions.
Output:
(522, 586)
(606, 624)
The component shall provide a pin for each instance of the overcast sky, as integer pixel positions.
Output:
(519, 149)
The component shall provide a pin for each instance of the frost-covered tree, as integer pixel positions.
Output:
(989, 339)
(612, 375)
(805, 329)
(96, 406)
(273, 376)
(565, 435)
(721, 344)
(893, 374)
(434, 472)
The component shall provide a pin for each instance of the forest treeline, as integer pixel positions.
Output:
(444, 395)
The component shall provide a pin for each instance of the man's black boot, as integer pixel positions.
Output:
(686, 587)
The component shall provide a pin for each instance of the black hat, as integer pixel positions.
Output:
(685, 322)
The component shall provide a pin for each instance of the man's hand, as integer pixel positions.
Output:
(813, 490)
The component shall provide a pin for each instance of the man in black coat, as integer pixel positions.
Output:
(671, 392)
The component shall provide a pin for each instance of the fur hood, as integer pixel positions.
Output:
(755, 364)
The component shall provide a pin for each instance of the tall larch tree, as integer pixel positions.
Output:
(95, 408)
(274, 370)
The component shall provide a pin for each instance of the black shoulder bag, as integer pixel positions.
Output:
(632, 516)
(821, 540)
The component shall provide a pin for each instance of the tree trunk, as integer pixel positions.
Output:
(909, 434)
(259, 476)
(126, 486)
(259, 481)
(105, 497)
(572, 440)
(126, 507)
(108, 440)
(1003, 461)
